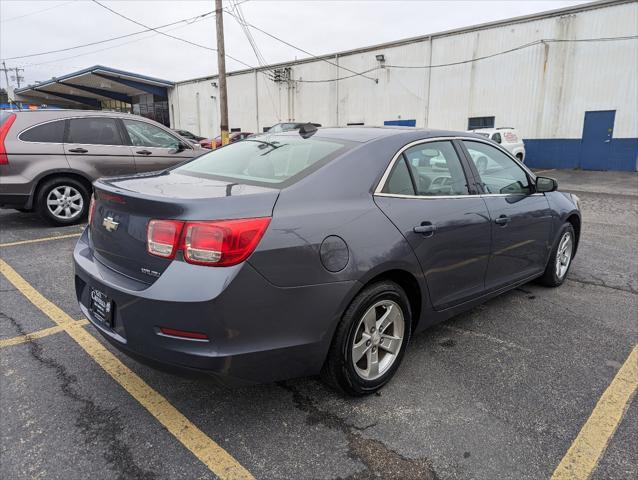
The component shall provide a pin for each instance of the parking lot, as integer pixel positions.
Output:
(502, 391)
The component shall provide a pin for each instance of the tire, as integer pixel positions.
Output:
(73, 196)
(367, 309)
(554, 275)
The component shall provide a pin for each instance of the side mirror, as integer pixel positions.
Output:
(546, 184)
(179, 147)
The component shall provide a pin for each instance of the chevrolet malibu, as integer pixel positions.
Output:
(315, 251)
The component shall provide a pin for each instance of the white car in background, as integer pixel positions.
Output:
(508, 138)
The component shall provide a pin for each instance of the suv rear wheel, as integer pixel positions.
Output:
(63, 201)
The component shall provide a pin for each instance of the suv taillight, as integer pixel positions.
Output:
(91, 209)
(4, 129)
(216, 243)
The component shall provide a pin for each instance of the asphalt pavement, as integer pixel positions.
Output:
(500, 392)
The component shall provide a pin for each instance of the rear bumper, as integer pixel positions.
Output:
(14, 200)
(257, 332)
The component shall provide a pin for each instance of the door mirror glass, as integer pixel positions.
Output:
(546, 184)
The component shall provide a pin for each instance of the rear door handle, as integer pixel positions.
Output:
(426, 229)
(78, 150)
(144, 152)
(502, 220)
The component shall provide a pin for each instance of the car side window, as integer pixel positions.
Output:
(436, 169)
(399, 182)
(94, 131)
(51, 132)
(499, 173)
(144, 134)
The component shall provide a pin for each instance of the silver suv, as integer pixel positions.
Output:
(49, 158)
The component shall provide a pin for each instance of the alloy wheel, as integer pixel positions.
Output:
(378, 339)
(564, 254)
(65, 202)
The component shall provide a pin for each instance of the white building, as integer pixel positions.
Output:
(566, 79)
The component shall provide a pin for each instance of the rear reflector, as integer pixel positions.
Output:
(216, 243)
(4, 130)
(162, 237)
(183, 334)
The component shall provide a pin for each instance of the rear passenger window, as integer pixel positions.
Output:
(51, 132)
(436, 169)
(94, 131)
(399, 181)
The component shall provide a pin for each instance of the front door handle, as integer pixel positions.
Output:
(78, 150)
(502, 220)
(426, 229)
(144, 152)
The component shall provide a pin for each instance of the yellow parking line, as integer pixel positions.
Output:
(218, 460)
(45, 332)
(544, 171)
(581, 459)
(38, 240)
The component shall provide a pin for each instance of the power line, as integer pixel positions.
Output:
(167, 35)
(36, 12)
(190, 19)
(62, 59)
(260, 58)
(304, 51)
(520, 47)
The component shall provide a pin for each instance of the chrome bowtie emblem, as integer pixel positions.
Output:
(109, 224)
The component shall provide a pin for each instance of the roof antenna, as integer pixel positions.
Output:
(307, 130)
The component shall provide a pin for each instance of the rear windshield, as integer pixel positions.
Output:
(267, 159)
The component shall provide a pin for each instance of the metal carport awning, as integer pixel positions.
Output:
(92, 85)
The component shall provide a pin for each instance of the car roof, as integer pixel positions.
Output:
(492, 130)
(366, 134)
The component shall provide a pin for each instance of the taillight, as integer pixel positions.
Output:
(216, 243)
(4, 129)
(224, 243)
(91, 209)
(162, 237)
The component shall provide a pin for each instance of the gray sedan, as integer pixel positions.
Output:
(315, 251)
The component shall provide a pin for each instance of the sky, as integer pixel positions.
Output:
(319, 27)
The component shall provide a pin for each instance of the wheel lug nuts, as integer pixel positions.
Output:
(368, 343)
(372, 330)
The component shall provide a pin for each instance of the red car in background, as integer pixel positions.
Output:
(233, 137)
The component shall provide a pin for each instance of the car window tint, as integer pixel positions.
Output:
(436, 169)
(271, 161)
(144, 134)
(51, 132)
(498, 172)
(399, 181)
(94, 131)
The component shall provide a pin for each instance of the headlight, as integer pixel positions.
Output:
(576, 200)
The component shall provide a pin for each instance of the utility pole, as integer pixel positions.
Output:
(221, 69)
(18, 78)
(6, 77)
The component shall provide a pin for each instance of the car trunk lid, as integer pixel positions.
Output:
(125, 205)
